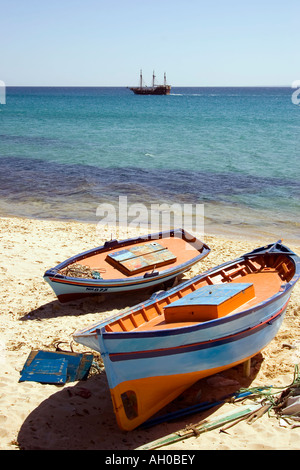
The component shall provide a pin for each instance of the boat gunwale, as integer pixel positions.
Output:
(76, 281)
(110, 335)
(183, 348)
(99, 328)
(54, 276)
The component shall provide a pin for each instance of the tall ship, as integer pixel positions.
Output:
(154, 89)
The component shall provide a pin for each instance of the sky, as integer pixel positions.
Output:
(106, 43)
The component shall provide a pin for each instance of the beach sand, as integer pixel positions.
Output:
(79, 415)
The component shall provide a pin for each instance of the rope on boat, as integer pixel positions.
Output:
(79, 270)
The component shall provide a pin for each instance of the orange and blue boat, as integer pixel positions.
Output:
(130, 265)
(217, 320)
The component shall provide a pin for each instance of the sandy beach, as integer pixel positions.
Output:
(79, 415)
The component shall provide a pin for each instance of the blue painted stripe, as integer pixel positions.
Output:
(195, 347)
(211, 330)
(221, 354)
(111, 336)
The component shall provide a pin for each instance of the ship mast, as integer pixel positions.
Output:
(141, 78)
(165, 79)
(153, 79)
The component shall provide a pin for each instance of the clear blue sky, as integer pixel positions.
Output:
(107, 42)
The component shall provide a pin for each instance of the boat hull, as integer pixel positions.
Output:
(68, 290)
(158, 90)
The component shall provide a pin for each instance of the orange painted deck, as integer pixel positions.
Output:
(266, 280)
(183, 251)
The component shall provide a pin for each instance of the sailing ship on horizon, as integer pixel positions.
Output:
(154, 90)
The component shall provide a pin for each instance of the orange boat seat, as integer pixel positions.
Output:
(209, 302)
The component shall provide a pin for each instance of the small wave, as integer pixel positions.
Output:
(149, 155)
(186, 94)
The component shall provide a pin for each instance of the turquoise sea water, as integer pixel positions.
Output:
(65, 151)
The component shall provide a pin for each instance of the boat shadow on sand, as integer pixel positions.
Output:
(80, 416)
(92, 304)
(98, 303)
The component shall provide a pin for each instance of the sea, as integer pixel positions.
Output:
(227, 160)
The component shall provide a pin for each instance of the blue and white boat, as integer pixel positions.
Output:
(127, 265)
(154, 351)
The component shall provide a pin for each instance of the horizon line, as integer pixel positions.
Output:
(127, 86)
